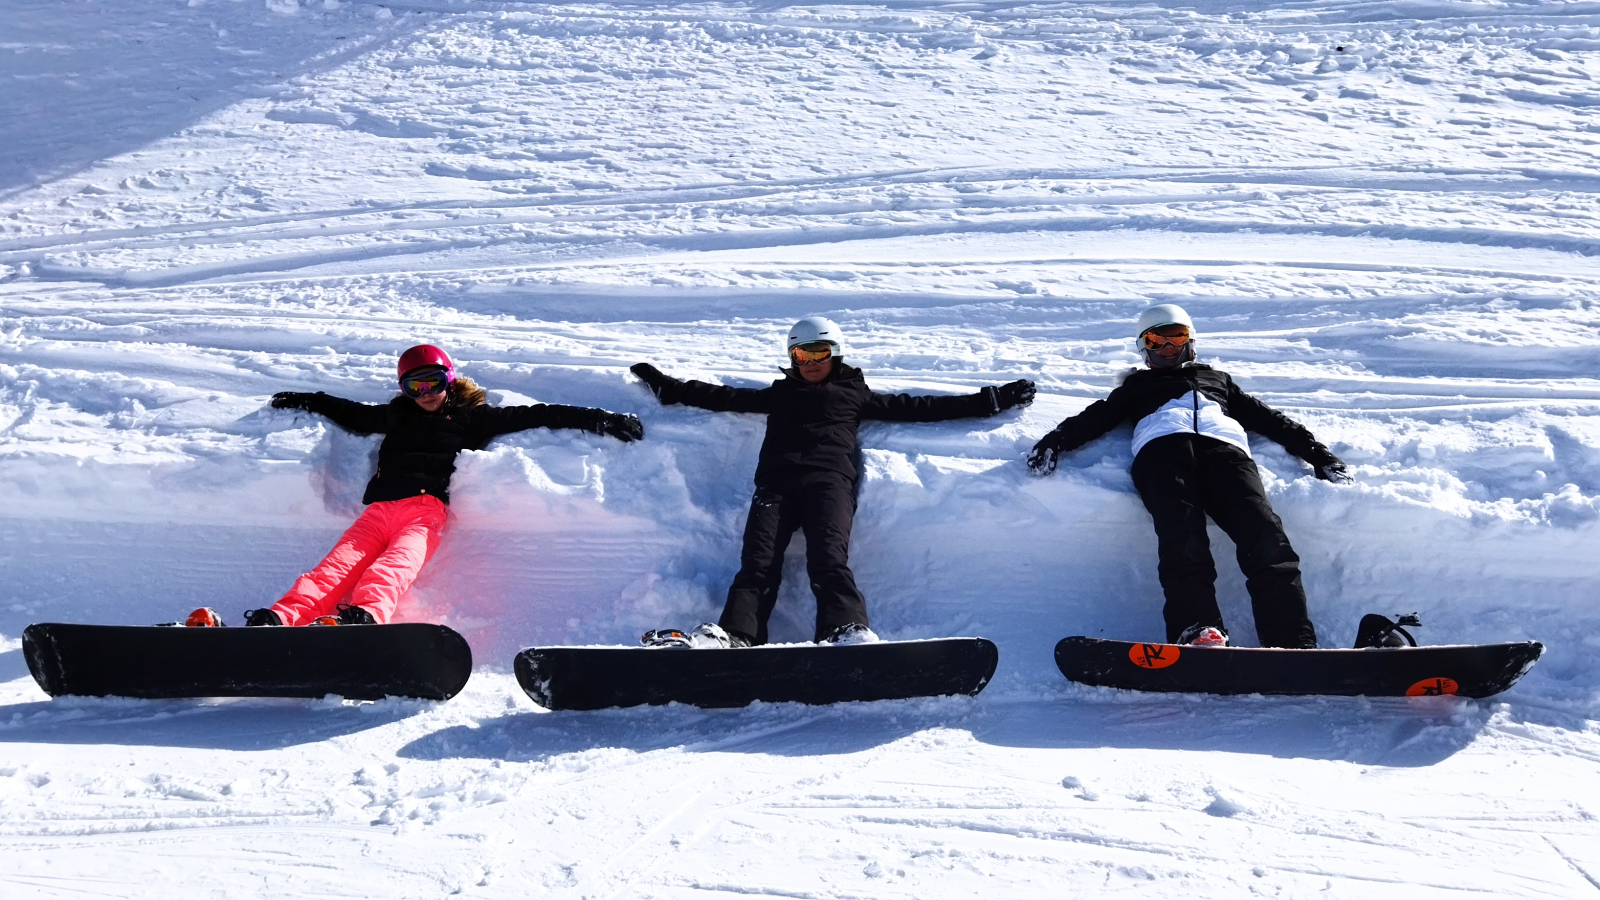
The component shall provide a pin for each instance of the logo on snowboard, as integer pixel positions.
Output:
(1159, 656)
(1433, 687)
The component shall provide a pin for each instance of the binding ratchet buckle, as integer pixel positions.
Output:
(1381, 631)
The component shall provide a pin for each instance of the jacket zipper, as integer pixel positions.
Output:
(1194, 383)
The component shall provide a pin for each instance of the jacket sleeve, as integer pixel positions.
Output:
(907, 408)
(1264, 420)
(361, 418)
(721, 398)
(1098, 418)
(491, 421)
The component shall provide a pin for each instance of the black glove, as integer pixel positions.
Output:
(661, 385)
(1042, 458)
(1326, 466)
(291, 400)
(1017, 393)
(625, 427)
(1333, 472)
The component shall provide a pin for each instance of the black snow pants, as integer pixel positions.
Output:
(1184, 477)
(823, 504)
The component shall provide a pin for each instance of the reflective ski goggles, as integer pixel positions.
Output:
(424, 383)
(814, 352)
(1153, 341)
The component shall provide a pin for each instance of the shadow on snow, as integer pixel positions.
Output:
(1377, 732)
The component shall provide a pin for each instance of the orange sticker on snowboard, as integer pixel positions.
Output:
(1153, 656)
(1433, 687)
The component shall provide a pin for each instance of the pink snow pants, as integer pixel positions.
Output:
(374, 563)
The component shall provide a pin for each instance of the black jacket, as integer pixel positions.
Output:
(1147, 390)
(812, 427)
(419, 448)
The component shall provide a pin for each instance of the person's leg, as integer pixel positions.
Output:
(416, 525)
(1168, 482)
(754, 591)
(828, 510)
(1238, 503)
(318, 591)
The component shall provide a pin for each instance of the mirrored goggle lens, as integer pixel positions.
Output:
(428, 384)
(815, 352)
(1153, 341)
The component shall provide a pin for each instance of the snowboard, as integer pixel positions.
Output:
(361, 662)
(602, 677)
(1468, 670)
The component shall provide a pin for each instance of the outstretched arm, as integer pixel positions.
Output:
(497, 420)
(361, 418)
(715, 397)
(1100, 417)
(986, 402)
(1296, 438)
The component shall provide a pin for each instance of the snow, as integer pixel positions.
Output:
(1383, 217)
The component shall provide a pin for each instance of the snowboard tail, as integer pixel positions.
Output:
(582, 678)
(360, 662)
(1468, 670)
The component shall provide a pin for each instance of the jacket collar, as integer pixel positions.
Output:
(841, 372)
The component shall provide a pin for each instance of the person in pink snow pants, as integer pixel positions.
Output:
(436, 415)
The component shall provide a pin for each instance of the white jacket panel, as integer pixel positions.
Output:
(1193, 413)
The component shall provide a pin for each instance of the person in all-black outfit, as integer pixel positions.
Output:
(806, 479)
(1191, 459)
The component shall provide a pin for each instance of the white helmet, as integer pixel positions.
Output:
(816, 328)
(1162, 314)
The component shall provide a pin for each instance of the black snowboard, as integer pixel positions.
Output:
(601, 677)
(361, 662)
(1470, 670)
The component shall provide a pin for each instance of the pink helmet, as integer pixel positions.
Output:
(425, 356)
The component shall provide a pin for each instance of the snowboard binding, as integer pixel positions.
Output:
(1377, 631)
(701, 637)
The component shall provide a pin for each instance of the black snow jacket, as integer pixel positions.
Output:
(418, 453)
(1147, 390)
(812, 427)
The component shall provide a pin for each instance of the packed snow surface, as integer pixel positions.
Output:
(1385, 218)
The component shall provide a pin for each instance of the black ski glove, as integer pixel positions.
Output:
(1017, 393)
(1333, 473)
(663, 386)
(625, 427)
(1042, 458)
(291, 400)
(1326, 466)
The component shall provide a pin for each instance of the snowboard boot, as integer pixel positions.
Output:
(1204, 636)
(255, 618)
(852, 633)
(1377, 631)
(204, 617)
(355, 615)
(709, 636)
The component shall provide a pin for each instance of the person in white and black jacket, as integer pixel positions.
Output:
(1191, 458)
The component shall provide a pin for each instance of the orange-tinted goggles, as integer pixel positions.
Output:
(814, 352)
(1153, 341)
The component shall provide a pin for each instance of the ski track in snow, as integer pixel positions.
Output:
(1384, 216)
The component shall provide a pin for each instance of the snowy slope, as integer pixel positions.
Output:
(1384, 216)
